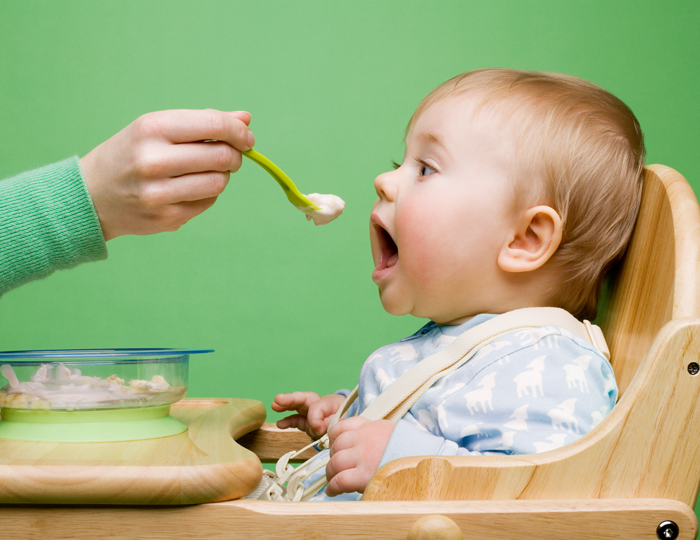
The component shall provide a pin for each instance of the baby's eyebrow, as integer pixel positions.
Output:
(429, 137)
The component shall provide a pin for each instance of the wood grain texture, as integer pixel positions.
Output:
(647, 447)
(270, 443)
(202, 464)
(658, 278)
(256, 520)
(435, 527)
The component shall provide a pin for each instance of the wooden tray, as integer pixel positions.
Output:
(202, 464)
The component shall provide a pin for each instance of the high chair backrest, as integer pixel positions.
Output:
(658, 278)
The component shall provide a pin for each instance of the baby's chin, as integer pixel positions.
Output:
(394, 304)
(398, 305)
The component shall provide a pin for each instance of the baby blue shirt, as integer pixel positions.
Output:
(527, 392)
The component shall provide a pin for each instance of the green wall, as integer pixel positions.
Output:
(330, 86)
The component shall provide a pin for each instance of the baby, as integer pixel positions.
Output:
(517, 189)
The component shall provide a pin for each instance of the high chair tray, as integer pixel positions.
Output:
(202, 464)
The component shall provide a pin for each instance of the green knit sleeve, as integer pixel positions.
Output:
(47, 223)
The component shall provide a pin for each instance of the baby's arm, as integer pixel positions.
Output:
(314, 413)
(542, 391)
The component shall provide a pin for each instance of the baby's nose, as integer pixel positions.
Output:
(385, 186)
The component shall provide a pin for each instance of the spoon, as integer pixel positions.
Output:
(293, 194)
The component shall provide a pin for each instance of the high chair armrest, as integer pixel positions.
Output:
(270, 443)
(443, 478)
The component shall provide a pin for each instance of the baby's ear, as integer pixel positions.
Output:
(534, 239)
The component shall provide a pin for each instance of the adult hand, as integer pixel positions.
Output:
(314, 413)
(357, 447)
(164, 168)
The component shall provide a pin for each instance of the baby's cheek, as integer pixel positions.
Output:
(424, 256)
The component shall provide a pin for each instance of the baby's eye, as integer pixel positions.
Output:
(395, 165)
(426, 169)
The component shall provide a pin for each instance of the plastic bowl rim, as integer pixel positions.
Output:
(97, 353)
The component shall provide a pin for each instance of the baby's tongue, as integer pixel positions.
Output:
(392, 260)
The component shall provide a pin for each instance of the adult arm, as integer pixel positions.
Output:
(47, 223)
(153, 176)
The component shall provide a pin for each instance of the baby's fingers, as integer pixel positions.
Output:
(321, 414)
(341, 461)
(344, 426)
(318, 421)
(346, 481)
(296, 401)
(295, 421)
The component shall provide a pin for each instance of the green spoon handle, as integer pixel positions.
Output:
(293, 194)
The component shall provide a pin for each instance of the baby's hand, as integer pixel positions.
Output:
(314, 412)
(160, 171)
(357, 447)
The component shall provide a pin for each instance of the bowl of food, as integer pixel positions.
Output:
(79, 389)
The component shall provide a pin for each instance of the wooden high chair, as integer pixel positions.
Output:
(635, 476)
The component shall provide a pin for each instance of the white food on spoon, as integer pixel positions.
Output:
(330, 207)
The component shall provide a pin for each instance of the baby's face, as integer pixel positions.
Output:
(443, 216)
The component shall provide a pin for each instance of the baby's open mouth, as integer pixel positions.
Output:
(389, 251)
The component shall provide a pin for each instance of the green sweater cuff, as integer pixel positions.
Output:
(47, 223)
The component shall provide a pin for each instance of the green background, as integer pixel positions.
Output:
(331, 86)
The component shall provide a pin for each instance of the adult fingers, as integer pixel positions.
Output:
(345, 482)
(186, 158)
(186, 210)
(188, 188)
(243, 116)
(184, 125)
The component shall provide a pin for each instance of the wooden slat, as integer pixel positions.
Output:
(270, 443)
(255, 520)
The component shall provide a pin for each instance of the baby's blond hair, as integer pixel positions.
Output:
(576, 148)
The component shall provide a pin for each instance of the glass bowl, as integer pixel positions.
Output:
(92, 395)
(93, 379)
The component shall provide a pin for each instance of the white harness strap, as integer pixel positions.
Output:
(402, 394)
